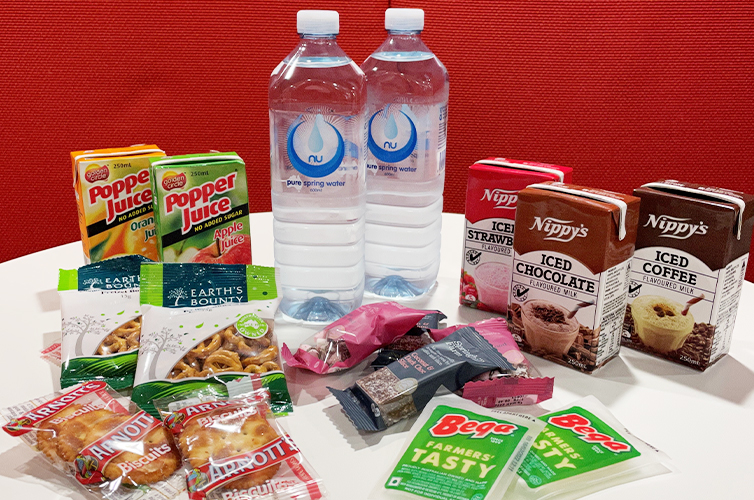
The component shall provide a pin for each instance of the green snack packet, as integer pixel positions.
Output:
(205, 325)
(461, 451)
(583, 449)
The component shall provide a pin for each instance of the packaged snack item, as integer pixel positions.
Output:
(583, 449)
(415, 338)
(349, 340)
(202, 208)
(101, 326)
(688, 270)
(51, 354)
(114, 199)
(491, 197)
(206, 324)
(233, 449)
(404, 387)
(572, 256)
(87, 433)
(459, 451)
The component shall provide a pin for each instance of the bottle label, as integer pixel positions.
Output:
(407, 141)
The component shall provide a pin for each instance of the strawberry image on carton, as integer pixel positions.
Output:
(202, 208)
(114, 199)
(491, 197)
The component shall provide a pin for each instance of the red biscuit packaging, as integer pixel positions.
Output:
(491, 198)
(233, 449)
(87, 432)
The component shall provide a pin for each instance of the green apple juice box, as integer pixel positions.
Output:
(201, 208)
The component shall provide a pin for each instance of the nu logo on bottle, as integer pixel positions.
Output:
(315, 147)
(392, 134)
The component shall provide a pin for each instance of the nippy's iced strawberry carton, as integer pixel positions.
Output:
(491, 197)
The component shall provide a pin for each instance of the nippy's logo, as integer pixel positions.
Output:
(501, 197)
(676, 227)
(582, 427)
(196, 205)
(123, 188)
(452, 424)
(558, 230)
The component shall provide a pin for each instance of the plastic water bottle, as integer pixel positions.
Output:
(317, 100)
(407, 109)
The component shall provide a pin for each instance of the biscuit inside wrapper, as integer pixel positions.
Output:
(87, 433)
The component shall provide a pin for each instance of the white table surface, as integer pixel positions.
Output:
(701, 420)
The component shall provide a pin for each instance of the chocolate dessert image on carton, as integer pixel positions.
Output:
(491, 196)
(572, 256)
(691, 252)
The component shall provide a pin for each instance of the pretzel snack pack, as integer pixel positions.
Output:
(204, 325)
(234, 450)
(101, 322)
(114, 199)
(87, 433)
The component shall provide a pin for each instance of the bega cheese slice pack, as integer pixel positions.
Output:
(583, 449)
(460, 450)
(101, 322)
(87, 433)
(206, 325)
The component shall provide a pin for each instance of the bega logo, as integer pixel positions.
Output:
(559, 230)
(501, 197)
(119, 195)
(452, 424)
(196, 205)
(675, 227)
(582, 427)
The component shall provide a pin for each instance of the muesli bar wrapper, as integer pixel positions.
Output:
(404, 387)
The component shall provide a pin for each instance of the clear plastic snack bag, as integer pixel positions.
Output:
(87, 433)
(205, 325)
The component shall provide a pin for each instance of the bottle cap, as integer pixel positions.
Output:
(404, 19)
(318, 22)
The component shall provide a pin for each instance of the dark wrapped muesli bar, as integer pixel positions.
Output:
(404, 387)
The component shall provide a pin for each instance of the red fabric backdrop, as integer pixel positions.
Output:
(625, 92)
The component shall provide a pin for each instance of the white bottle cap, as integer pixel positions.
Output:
(318, 22)
(404, 19)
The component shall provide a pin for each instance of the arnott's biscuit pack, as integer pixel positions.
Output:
(114, 199)
(202, 208)
(491, 198)
(205, 325)
(87, 432)
(688, 270)
(572, 257)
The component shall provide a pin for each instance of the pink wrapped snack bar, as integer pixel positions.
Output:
(349, 340)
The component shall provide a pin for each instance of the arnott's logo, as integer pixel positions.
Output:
(501, 197)
(675, 227)
(558, 230)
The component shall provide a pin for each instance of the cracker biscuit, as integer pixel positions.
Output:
(48, 432)
(238, 435)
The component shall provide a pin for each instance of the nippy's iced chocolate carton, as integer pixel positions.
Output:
(691, 253)
(114, 199)
(491, 196)
(572, 257)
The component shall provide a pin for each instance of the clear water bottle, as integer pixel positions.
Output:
(317, 100)
(407, 109)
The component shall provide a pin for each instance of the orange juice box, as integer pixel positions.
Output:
(114, 198)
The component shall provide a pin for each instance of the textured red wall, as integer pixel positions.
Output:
(625, 92)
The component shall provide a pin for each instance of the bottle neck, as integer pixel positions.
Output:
(404, 33)
(312, 38)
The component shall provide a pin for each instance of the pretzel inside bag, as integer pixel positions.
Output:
(123, 339)
(229, 351)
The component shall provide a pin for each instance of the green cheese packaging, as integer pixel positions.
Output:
(583, 449)
(460, 450)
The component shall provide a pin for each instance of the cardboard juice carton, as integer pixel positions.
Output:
(114, 199)
(491, 196)
(572, 253)
(202, 208)
(688, 271)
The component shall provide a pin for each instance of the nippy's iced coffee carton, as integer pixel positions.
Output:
(202, 208)
(688, 269)
(572, 257)
(114, 198)
(491, 196)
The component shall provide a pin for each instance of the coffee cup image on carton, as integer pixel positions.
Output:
(660, 323)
